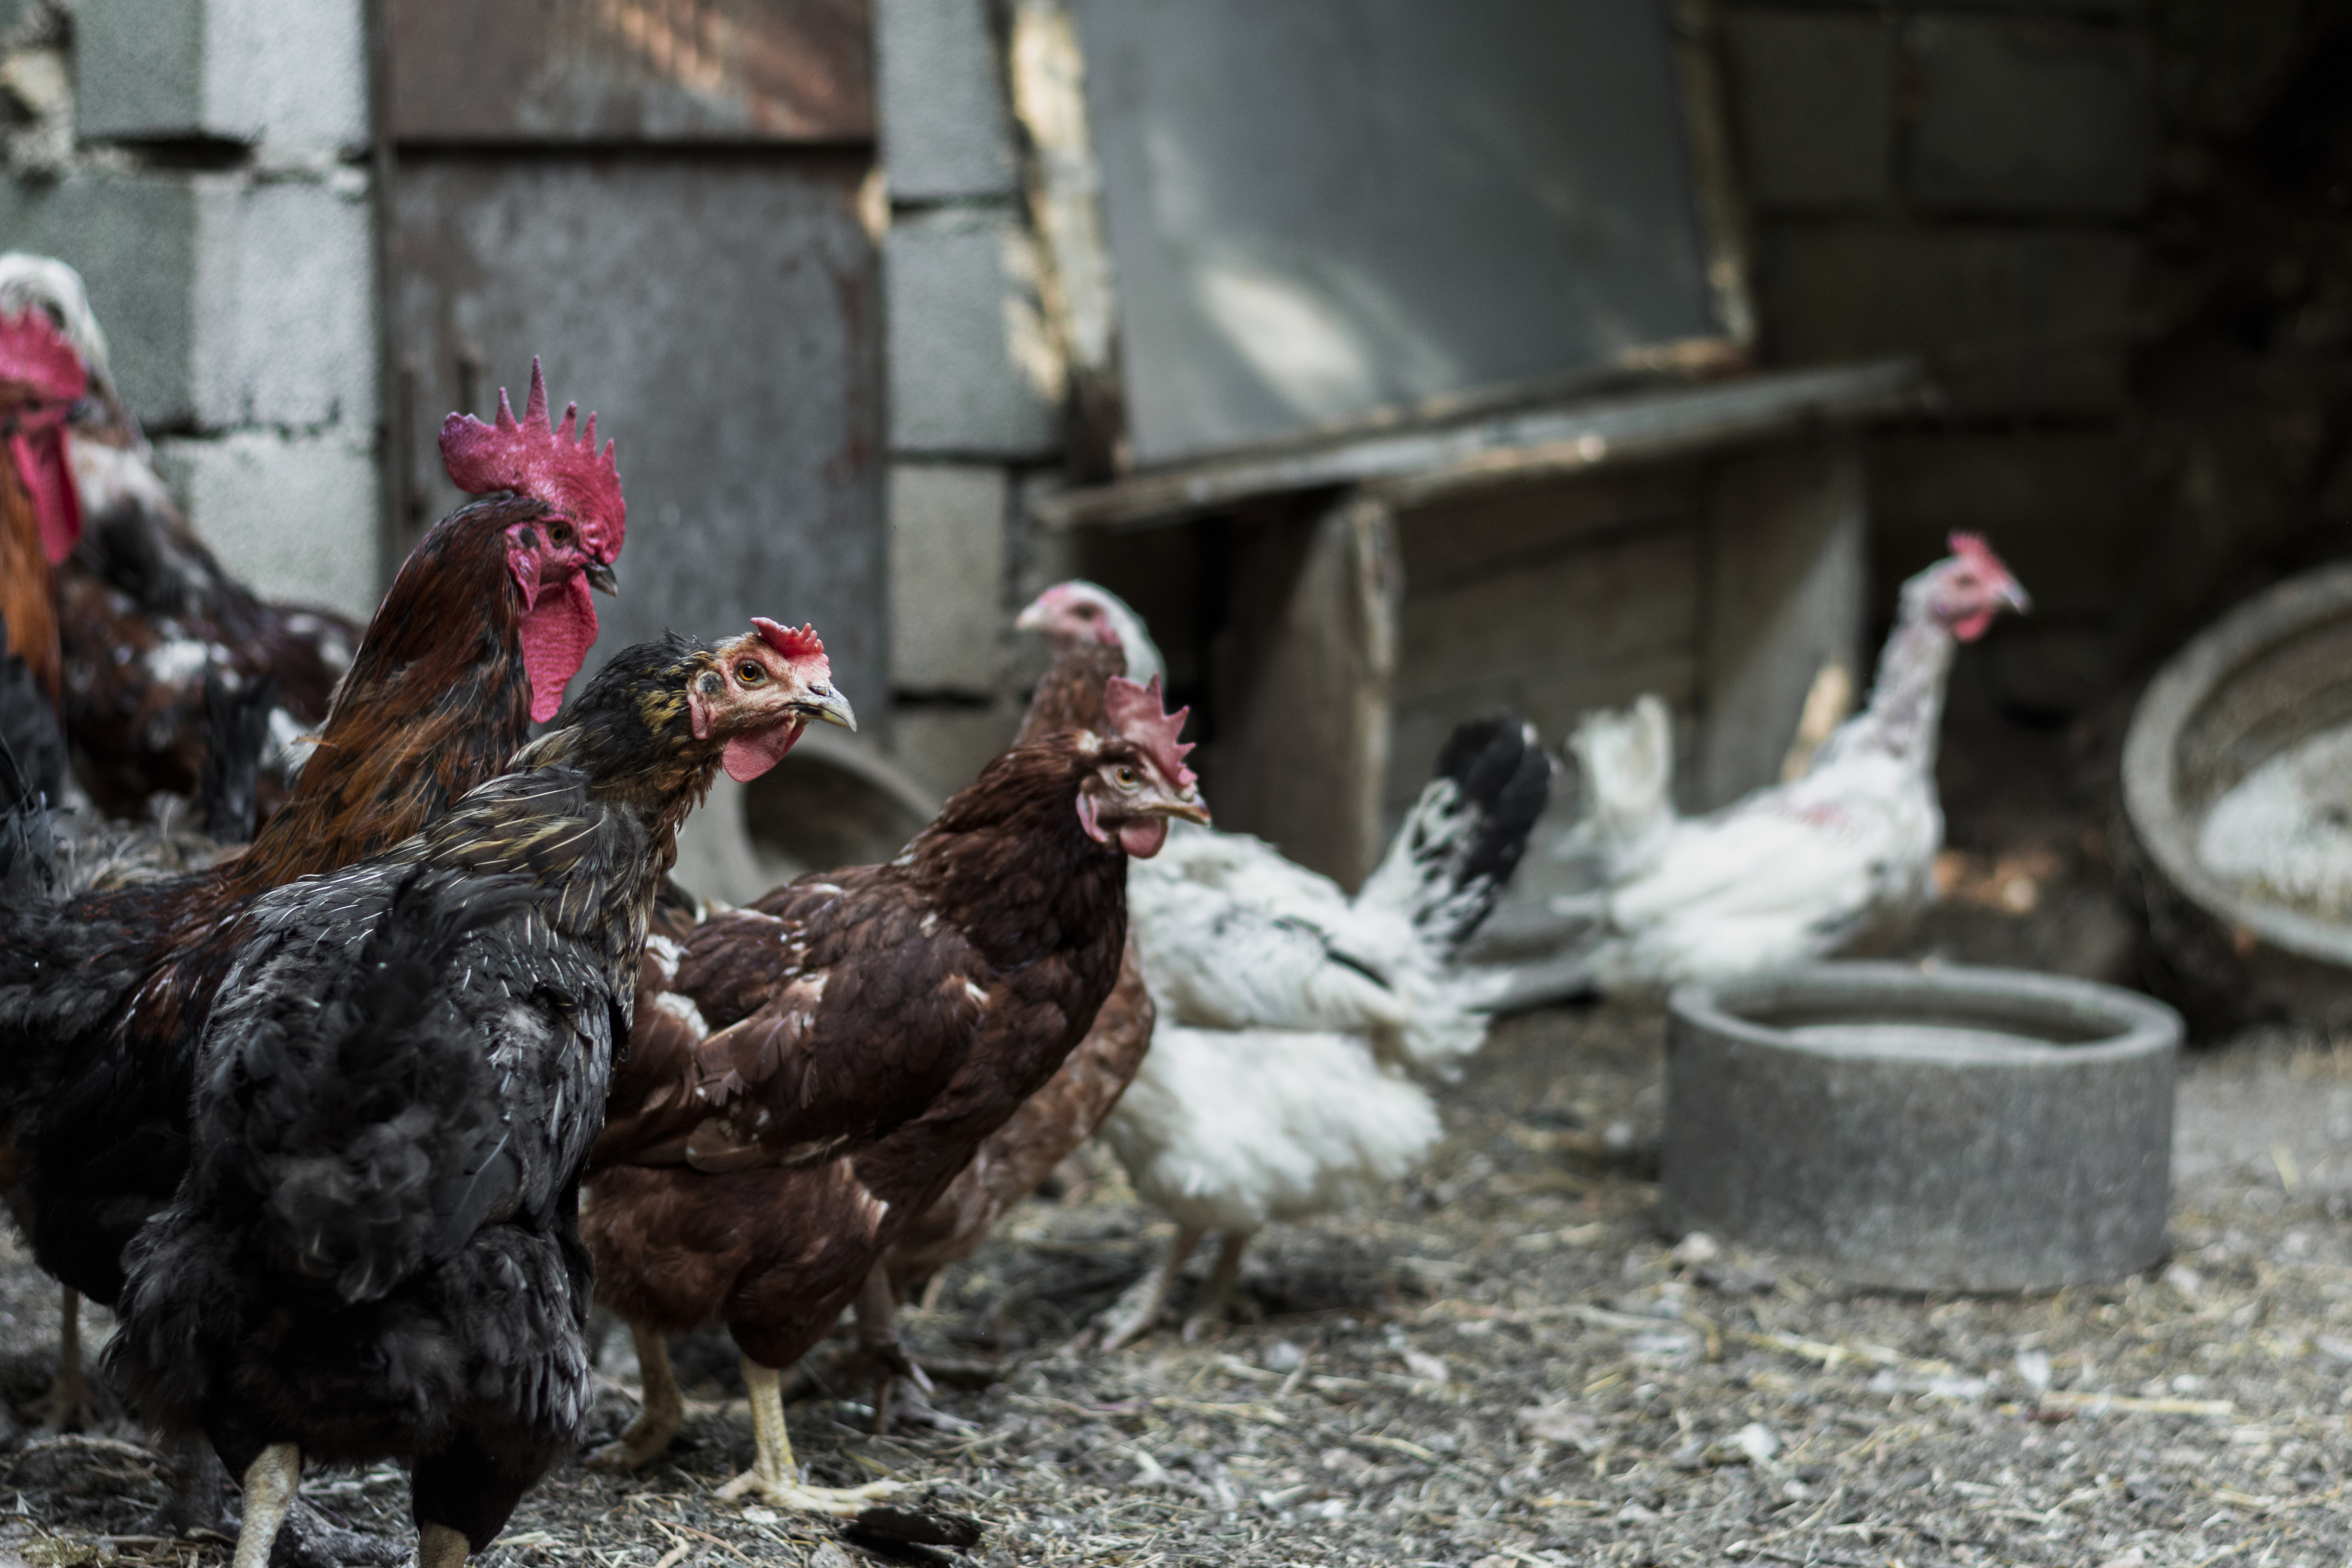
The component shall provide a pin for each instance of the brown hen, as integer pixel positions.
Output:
(805, 1076)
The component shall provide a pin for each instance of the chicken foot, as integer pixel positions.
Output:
(270, 1486)
(661, 1411)
(67, 1407)
(1133, 1315)
(1219, 1296)
(774, 1476)
(196, 1508)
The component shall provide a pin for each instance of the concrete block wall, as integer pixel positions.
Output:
(975, 385)
(1965, 180)
(202, 164)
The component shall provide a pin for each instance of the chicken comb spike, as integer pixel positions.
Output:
(802, 643)
(569, 476)
(1972, 548)
(36, 356)
(1139, 714)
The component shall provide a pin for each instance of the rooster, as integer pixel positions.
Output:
(819, 1066)
(1293, 1019)
(376, 1254)
(41, 380)
(102, 1000)
(1792, 872)
(145, 616)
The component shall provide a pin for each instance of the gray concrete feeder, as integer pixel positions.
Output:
(2237, 777)
(1923, 1127)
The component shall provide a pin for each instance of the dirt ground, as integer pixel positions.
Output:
(1505, 1364)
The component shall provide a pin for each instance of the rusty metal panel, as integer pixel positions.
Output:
(723, 319)
(630, 71)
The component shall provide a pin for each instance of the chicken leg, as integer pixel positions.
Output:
(774, 1477)
(67, 1406)
(270, 1483)
(880, 1343)
(1133, 1314)
(1220, 1293)
(661, 1411)
(438, 1546)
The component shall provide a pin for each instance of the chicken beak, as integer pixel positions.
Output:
(827, 703)
(1187, 805)
(600, 577)
(1031, 618)
(2014, 595)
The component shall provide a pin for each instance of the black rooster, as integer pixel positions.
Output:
(375, 1254)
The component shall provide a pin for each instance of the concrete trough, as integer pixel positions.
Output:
(1923, 1127)
(2237, 782)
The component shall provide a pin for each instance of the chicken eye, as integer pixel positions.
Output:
(1128, 778)
(750, 673)
(561, 532)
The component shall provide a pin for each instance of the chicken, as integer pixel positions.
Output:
(816, 1068)
(102, 1000)
(1792, 872)
(1014, 1161)
(144, 614)
(376, 1253)
(1292, 1019)
(41, 379)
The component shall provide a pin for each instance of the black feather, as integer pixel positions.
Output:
(236, 729)
(1502, 777)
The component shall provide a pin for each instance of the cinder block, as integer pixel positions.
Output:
(946, 130)
(2030, 117)
(225, 302)
(133, 238)
(2018, 320)
(949, 629)
(296, 518)
(284, 330)
(1812, 93)
(945, 748)
(244, 71)
(971, 365)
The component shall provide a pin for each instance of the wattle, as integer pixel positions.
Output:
(41, 463)
(746, 757)
(1141, 836)
(557, 632)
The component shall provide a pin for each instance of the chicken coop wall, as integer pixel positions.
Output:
(202, 164)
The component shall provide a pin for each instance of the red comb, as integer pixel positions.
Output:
(547, 463)
(1972, 548)
(801, 644)
(1138, 713)
(35, 355)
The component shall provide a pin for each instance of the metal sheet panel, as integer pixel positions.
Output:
(722, 318)
(615, 70)
(1320, 214)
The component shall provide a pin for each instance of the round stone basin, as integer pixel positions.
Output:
(2237, 777)
(1923, 1127)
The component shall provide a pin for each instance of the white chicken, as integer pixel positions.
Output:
(1792, 872)
(1293, 1019)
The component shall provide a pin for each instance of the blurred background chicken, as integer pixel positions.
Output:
(1791, 872)
(1295, 1022)
(144, 613)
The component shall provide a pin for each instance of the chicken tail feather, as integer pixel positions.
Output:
(1465, 835)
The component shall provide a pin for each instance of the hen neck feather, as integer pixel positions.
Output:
(1906, 698)
(1009, 865)
(436, 701)
(27, 582)
(1070, 694)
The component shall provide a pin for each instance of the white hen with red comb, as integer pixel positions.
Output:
(1795, 871)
